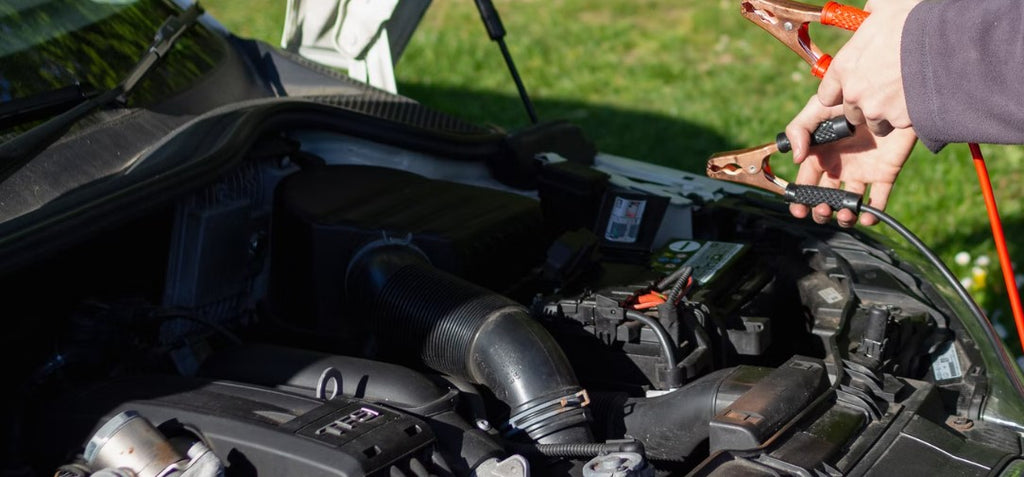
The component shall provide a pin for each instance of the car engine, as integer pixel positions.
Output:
(336, 306)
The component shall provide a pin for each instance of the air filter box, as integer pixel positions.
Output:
(323, 216)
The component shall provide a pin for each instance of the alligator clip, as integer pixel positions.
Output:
(750, 166)
(747, 166)
(788, 21)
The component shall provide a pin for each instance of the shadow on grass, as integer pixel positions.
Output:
(635, 134)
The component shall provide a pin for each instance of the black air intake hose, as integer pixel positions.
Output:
(416, 313)
(672, 426)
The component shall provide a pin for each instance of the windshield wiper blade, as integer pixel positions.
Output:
(41, 105)
(17, 152)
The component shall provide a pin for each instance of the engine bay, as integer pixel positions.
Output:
(313, 312)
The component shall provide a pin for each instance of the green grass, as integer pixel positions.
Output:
(668, 81)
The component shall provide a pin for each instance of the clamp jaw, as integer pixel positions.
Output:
(747, 166)
(788, 22)
(751, 167)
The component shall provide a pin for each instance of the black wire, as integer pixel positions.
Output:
(953, 282)
(677, 289)
(672, 278)
(934, 259)
(667, 346)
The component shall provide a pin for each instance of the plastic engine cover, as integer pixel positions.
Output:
(250, 427)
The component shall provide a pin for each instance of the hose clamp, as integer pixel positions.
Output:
(539, 414)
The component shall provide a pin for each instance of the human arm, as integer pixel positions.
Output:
(963, 71)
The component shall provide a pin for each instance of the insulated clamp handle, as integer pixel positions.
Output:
(842, 16)
(810, 195)
(830, 130)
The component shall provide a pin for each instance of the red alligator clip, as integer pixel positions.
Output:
(788, 20)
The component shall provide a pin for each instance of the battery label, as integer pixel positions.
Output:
(711, 258)
(830, 295)
(625, 219)
(946, 364)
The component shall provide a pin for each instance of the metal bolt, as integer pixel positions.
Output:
(483, 425)
(788, 26)
(960, 423)
(612, 464)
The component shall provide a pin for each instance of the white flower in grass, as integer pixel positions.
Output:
(982, 261)
(962, 258)
(967, 282)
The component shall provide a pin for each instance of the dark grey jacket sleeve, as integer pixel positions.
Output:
(963, 71)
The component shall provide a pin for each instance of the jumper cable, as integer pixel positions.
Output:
(788, 21)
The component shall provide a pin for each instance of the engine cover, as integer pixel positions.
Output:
(250, 427)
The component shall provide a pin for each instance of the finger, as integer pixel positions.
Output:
(799, 140)
(846, 217)
(821, 213)
(829, 182)
(854, 114)
(880, 128)
(798, 210)
(830, 90)
(902, 120)
(806, 121)
(809, 173)
(879, 199)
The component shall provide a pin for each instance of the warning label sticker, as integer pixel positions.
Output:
(946, 365)
(625, 219)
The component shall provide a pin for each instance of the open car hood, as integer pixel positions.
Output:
(305, 275)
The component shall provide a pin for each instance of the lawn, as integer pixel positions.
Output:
(669, 81)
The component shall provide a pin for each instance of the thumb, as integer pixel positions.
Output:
(806, 121)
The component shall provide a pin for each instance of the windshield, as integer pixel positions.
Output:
(46, 45)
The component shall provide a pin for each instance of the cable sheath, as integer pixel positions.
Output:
(1012, 291)
(961, 292)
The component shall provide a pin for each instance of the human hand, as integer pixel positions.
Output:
(865, 77)
(852, 164)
